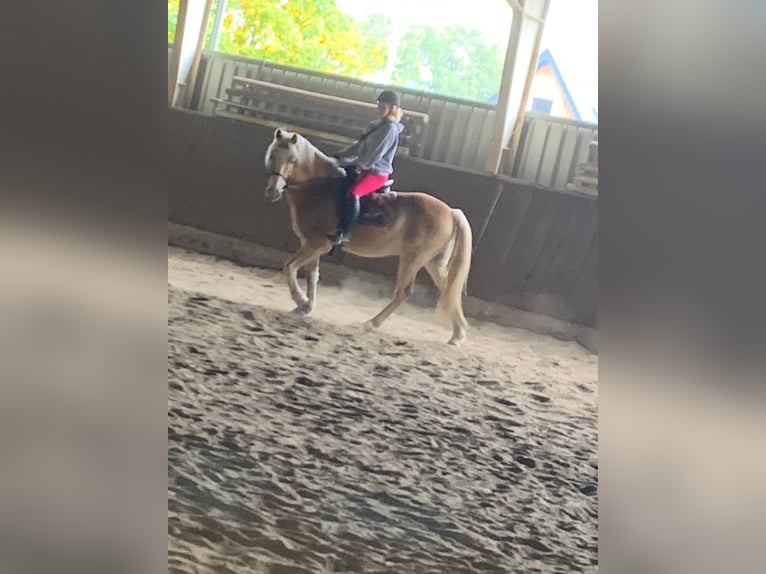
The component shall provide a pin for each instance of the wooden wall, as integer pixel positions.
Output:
(535, 249)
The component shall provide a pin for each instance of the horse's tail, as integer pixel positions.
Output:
(458, 266)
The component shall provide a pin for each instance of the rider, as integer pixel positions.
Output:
(368, 161)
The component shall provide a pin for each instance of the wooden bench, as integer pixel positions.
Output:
(328, 121)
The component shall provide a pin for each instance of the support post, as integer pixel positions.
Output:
(520, 59)
(220, 12)
(187, 50)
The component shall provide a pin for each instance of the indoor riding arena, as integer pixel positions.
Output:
(311, 443)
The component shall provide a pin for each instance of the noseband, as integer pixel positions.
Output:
(287, 180)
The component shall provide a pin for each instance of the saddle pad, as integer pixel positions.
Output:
(377, 209)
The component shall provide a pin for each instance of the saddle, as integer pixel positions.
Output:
(376, 208)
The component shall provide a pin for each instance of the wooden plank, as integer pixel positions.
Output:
(251, 71)
(267, 73)
(536, 145)
(566, 230)
(515, 270)
(227, 73)
(436, 113)
(498, 240)
(486, 133)
(589, 168)
(278, 75)
(212, 87)
(578, 234)
(287, 90)
(533, 139)
(523, 153)
(471, 141)
(456, 138)
(316, 136)
(478, 233)
(326, 122)
(583, 179)
(580, 153)
(538, 279)
(240, 68)
(290, 78)
(444, 131)
(318, 111)
(546, 174)
(584, 295)
(314, 84)
(418, 140)
(578, 188)
(566, 161)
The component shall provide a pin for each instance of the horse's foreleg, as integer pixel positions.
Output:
(405, 283)
(312, 278)
(307, 253)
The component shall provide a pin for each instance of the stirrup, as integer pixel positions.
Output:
(340, 238)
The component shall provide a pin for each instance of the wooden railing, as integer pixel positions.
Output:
(331, 120)
(459, 131)
(551, 150)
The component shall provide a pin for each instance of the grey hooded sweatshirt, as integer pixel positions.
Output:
(376, 151)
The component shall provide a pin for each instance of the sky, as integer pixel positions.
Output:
(571, 31)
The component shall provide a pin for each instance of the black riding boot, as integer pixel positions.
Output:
(341, 205)
(349, 215)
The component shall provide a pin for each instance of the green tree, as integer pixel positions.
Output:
(311, 34)
(316, 35)
(454, 61)
(172, 19)
(379, 27)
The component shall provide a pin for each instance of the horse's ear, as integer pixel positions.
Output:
(294, 139)
(278, 133)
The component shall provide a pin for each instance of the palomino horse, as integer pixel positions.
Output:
(418, 228)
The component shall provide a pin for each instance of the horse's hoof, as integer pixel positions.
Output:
(455, 341)
(303, 308)
(370, 325)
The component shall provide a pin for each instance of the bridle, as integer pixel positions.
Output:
(287, 185)
(304, 184)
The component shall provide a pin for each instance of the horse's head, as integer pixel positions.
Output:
(292, 159)
(282, 158)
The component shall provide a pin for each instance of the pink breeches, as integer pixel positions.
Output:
(367, 183)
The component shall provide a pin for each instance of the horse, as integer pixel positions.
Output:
(421, 230)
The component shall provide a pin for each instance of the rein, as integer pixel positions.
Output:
(307, 184)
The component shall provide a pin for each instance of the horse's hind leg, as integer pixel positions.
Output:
(438, 273)
(405, 283)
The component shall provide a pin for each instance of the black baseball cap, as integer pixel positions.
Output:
(389, 97)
